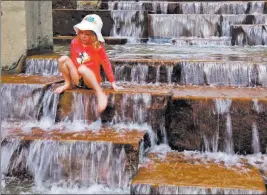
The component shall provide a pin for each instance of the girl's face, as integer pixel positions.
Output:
(87, 36)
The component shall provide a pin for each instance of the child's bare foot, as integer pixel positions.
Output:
(102, 101)
(62, 88)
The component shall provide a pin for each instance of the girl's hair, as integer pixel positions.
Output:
(97, 44)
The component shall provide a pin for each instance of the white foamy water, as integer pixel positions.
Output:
(255, 139)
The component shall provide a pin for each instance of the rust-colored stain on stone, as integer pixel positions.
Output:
(178, 170)
(195, 92)
(131, 89)
(161, 62)
(32, 79)
(45, 56)
(123, 136)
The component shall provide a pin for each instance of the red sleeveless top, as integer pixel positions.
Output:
(92, 58)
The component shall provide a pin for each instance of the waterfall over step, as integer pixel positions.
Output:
(128, 24)
(44, 67)
(52, 163)
(186, 25)
(27, 102)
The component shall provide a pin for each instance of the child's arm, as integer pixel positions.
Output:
(104, 60)
(73, 54)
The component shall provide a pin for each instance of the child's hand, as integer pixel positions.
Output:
(114, 86)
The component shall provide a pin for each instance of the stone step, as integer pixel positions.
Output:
(192, 173)
(194, 116)
(108, 40)
(30, 79)
(189, 41)
(189, 117)
(184, 72)
(80, 157)
(186, 7)
(105, 134)
(249, 35)
(186, 25)
(115, 23)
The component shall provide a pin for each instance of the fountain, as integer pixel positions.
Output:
(191, 103)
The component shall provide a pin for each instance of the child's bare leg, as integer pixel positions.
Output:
(91, 81)
(69, 73)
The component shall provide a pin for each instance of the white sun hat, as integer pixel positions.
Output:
(91, 22)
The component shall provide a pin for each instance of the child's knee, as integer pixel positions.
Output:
(63, 59)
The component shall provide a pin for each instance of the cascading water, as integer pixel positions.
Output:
(223, 108)
(229, 20)
(128, 24)
(222, 73)
(79, 163)
(20, 102)
(184, 25)
(44, 67)
(28, 105)
(143, 73)
(140, 5)
(255, 139)
(139, 73)
(253, 35)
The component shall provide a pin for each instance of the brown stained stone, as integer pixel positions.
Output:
(124, 139)
(176, 170)
(192, 120)
(197, 92)
(123, 136)
(32, 79)
(44, 56)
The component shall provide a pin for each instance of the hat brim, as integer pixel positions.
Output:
(84, 25)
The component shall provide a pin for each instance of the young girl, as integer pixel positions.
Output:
(87, 53)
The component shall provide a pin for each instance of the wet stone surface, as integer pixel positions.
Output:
(182, 174)
(77, 156)
(30, 79)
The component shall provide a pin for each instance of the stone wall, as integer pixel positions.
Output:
(26, 27)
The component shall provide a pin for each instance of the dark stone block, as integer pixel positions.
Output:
(190, 122)
(64, 20)
(64, 4)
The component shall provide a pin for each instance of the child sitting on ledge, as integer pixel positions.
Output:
(87, 51)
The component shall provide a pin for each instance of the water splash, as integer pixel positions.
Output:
(44, 67)
(134, 111)
(255, 139)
